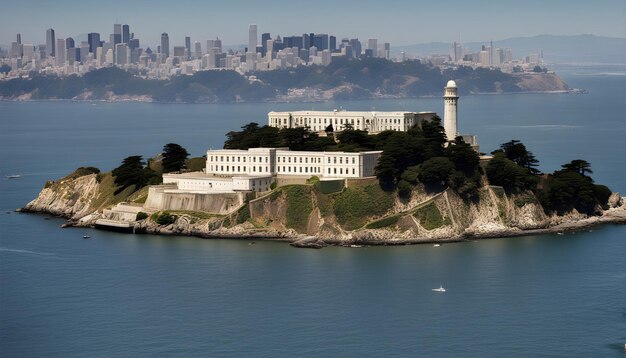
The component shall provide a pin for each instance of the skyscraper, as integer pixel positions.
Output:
(252, 38)
(187, 47)
(117, 33)
(19, 39)
(94, 42)
(264, 37)
(165, 44)
(372, 44)
(60, 49)
(50, 43)
(125, 34)
(69, 43)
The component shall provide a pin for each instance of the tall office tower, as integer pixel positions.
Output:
(69, 43)
(94, 41)
(269, 49)
(50, 43)
(19, 38)
(117, 34)
(84, 51)
(356, 47)
(306, 41)
(264, 37)
(197, 53)
(121, 54)
(320, 41)
(133, 44)
(386, 50)
(456, 52)
(252, 38)
(218, 43)
(332, 43)
(165, 45)
(491, 53)
(372, 44)
(187, 47)
(60, 49)
(125, 34)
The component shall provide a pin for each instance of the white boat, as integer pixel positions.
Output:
(440, 289)
(436, 245)
(559, 233)
(14, 176)
(86, 236)
(356, 245)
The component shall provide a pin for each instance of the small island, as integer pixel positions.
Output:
(316, 178)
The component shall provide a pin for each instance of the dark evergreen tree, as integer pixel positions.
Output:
(133, 172)
(174, 157)
(578, 166)
(517, 152)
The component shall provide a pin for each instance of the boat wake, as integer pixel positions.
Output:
(28, 252)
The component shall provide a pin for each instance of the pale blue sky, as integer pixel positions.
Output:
(400, 22)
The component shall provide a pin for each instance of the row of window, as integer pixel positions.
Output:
(239, 168)
(315, 160)
(314, 170)
(239, 159)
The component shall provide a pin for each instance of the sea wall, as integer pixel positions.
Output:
(166, 197)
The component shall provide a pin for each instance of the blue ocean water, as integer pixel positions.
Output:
(127, 295)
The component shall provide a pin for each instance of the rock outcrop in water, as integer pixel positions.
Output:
(302, 215)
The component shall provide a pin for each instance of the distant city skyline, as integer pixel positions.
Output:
(402, 22)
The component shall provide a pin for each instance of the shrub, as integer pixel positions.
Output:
(430, 217)
(165, 219)
(141, 216)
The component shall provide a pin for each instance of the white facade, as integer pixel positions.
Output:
(205, 183)
(272, 161)
(372, 122)
(254, 161)
(450, 99)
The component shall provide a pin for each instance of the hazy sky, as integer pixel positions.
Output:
(400, 22)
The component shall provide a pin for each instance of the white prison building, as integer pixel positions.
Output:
(282, 161)
(372, 122)
(234, 170)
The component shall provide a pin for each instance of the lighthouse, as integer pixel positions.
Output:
(450, 99)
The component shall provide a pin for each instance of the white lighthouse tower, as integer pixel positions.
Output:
(450, 99)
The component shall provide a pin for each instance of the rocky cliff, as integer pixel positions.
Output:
(301, 213)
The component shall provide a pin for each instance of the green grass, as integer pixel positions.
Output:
(329, 186)
(243, 214)
(354, 206)
(430, 217)
(106, 195)
(299, 206)
(385, 222)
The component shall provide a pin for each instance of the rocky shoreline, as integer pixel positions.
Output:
(615, 215)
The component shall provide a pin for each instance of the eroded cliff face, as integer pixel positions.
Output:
(71, 198)
(295, 212)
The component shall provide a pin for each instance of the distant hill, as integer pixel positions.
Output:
(556, 49)
(343, 79)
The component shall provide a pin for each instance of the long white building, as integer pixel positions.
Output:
(372, 122)
(282, 161)
(232, 170)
